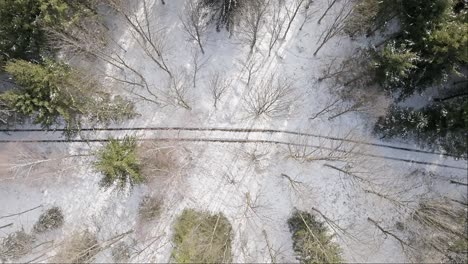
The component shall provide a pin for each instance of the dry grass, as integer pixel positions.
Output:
(150, 208)
(121, 253)
(157, 160)
(81, 247)
(16, 245)
(439, 231)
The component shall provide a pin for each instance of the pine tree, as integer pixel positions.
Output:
(118, 163)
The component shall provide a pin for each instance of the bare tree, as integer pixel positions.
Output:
(307, 149)
(292, 13)
(336, 27)
(197, 63)
(275, 254)
(276, 25)
(271, 97)
(177, 91)
(144, 31)
(307, 14)
(90, 37)
(252, 65)
(218, 86)
(7, 115)
(194, 23)
(330, 106)
(331, 3)
(253, 14)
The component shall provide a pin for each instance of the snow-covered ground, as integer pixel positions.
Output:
(228, 177)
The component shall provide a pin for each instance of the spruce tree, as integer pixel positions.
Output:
(118, 163)
(54, 94)
(442, 126)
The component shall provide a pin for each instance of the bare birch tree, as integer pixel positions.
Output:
(251, 66)
(292, 13)
(271, 97)
(275, 27)
(331, 3)
(336, 27)
(177, 91)
(197, 64)
(144, 30)
(307, 14)
(194, 23)
(90, 37)
(218, 86)
(253, 16)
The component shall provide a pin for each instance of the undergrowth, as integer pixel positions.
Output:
(200, 237)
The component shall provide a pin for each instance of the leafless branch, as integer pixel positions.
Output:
(336, 27)
(194, 23)
(292, 13)
(271, 97)
(218, 86)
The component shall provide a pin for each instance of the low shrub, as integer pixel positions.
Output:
(200, 237)
(50, 219)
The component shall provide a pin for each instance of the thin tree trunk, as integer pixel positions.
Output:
(326, 11)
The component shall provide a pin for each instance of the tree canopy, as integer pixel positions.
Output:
(23, 25)
(54, 93)
(429, 49)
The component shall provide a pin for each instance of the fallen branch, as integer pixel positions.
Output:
(388, 233)
(20, 213)
(7, 225)
(459, 183)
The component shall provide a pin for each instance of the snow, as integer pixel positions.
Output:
(221, 177)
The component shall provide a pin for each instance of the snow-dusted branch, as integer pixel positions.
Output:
(194, 23)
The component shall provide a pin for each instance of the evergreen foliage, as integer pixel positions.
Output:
(20, 36)
(224, 12)
(394, 65)
(118, 163)
(433, 30)
(23, 25)
(311, 241)
(200, 237)
(440, 125)
(53, 92)
(430, 47)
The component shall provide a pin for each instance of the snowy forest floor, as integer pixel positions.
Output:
(256, 184)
